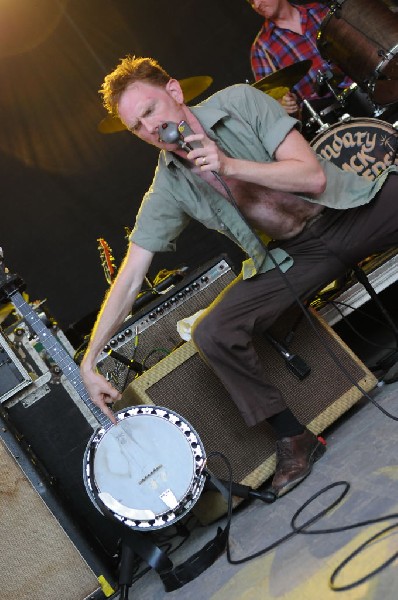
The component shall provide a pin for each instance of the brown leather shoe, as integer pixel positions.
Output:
(294, 459)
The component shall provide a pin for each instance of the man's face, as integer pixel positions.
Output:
(267, 8)
(143, 108)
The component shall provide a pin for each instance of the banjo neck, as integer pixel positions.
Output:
(59, 355)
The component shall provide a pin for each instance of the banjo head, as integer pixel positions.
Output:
(146, 471)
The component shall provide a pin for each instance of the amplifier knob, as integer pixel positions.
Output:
(120, 337)
(113, 343)
(127, 332)
(152, 315)
(204, 278)
(195, 285)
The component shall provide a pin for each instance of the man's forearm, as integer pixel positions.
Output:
(111, 316)
(118, 302)
(288, 176)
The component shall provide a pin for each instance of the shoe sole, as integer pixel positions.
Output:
(316, 454)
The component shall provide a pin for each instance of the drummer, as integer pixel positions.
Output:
(288, 35)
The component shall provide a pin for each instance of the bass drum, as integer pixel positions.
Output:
(363, 146)
(361, 37)
(148, 470)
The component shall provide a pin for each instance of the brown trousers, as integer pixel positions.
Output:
(322, 252)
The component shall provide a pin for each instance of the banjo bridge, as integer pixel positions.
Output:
(141, 481)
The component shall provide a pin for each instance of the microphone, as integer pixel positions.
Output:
(294, 362)
(171, 133)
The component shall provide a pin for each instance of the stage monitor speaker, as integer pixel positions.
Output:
(185, 384)
(151, 334)
(38, 559)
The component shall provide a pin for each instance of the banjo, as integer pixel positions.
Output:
(147, 471)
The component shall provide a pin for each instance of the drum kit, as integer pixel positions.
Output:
(361, 38)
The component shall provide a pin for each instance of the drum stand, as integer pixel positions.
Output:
(337, 104)
(136, 545)
(314, 118)
(322, 78)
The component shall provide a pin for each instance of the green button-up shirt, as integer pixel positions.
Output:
(245, 123)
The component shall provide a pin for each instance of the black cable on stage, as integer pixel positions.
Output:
(304, 529)
(344, 563)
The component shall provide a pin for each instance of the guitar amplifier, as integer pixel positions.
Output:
(43, 555)
(184, 383)
(151, 334)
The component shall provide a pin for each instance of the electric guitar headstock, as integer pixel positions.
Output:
(107, 260)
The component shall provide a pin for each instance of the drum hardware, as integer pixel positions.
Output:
(191, 87)
(351, 102)
(338, 103)
(325, 78)
(314, 118)
(360, 37)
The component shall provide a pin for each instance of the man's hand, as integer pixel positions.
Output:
(208, 157)
(289, 103)
(101, 392)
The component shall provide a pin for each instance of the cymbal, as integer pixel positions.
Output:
(110, 124)
(286, 77)
(194, 86)
(191, 87)
(278, 92)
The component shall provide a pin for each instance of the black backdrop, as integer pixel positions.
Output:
(63, 183)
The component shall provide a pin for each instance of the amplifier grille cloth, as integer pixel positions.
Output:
(38, 560)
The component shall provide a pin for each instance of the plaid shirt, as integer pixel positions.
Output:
(285, 47)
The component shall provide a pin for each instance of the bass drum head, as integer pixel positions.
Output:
(363, 146)
(146, 471)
